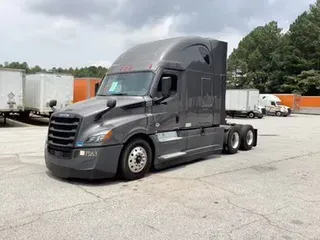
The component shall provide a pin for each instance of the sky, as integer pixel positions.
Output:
(78, 33)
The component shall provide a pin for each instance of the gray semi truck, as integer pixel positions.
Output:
(160, 104)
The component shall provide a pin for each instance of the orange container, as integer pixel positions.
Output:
(310, 101)
(84, 88)
(306, 104)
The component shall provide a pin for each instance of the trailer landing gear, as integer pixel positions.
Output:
(239, 137)
(4, 116)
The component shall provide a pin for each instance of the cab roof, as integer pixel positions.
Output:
(165, 53)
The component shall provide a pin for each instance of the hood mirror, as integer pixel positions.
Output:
(52, 103)
(111, 103)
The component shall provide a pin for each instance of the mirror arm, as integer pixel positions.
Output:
(53, 109)
(160, 100)
(100, 114)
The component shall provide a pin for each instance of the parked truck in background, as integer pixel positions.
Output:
(243, 102)
(274, 105)
(160, 104)
(40, 88)
(12, 82)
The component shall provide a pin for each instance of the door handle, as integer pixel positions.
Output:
(177, 119)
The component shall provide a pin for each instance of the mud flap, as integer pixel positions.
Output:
(255, 137)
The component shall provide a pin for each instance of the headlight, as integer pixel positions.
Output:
(99, 137)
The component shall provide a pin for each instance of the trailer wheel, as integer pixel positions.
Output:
(247, 137)
(251, 115)
(135, 159)
(232, 140)
(25, 114)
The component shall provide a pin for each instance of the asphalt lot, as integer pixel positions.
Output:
(271, 192)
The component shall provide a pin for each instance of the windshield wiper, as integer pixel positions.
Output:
(118, 94)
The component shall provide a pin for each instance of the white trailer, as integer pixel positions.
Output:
(41, 88)
(243, 102)
(11, 91)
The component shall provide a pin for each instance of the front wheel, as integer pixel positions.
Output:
(278, 114)
(135, 160)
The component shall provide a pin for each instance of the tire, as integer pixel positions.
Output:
(278, 114)
(246, 137)
(251, 115)
(232, 140)
(260, 117)
(135, 159)
(25, 115)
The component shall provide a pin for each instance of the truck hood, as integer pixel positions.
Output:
(284, 106)
(97, 104)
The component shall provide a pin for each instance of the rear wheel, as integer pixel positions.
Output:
(25, 115)
(232, 140)
(135, 159)
(251, 115)
(246, 137)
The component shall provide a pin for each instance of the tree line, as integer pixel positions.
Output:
(92, 71)
(274, 62)
(266, 58)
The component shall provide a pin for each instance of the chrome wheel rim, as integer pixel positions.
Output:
(235, 139)
(137, 159)
(249, 137)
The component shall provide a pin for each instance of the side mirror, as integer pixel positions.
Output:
(96, 87)
(52, 103)
(111, 103)
(166, 86)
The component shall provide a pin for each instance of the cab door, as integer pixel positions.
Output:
(167, 113)
(168, 120)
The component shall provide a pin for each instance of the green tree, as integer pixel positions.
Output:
(91, 71)
(300, 55)
(255, 62)
(274, 62)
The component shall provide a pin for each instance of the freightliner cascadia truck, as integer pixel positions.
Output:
(160, 104)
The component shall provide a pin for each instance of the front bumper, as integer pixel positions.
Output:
(85, 163)
(259, 114)
(289, 111)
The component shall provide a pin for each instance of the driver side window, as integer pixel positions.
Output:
(273, 103)
(174, 84)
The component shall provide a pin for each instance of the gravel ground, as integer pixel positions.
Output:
(271, 192)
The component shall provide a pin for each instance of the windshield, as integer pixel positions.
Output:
(279, 103)
(126, 84)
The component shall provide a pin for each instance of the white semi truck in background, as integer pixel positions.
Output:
(243, 102)
(274, 105)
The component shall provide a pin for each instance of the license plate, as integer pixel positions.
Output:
(88, 153)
